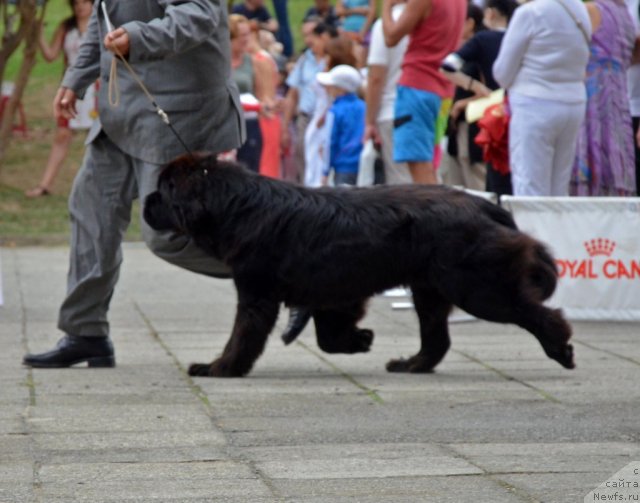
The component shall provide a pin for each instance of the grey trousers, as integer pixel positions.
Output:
(100, 211)
(394, 172)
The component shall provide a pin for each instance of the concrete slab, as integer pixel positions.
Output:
(452, 489)
(497, 422)
(159, 481)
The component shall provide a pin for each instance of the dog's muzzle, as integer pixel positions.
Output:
(158, 214)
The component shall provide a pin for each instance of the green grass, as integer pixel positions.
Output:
(45, 220)
(56, 11)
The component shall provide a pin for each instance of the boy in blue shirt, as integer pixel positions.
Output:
(346, 122)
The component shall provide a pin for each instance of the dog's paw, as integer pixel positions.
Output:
(362, 340)
(413, 365)
(200, 370)
(399, 365)
(218, 368)
(563, 356)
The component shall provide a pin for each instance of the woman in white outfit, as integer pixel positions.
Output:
(542, 64)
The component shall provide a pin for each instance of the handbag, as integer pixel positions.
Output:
(493, 137)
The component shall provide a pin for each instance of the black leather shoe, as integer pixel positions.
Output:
(298, 319)
(72, 349)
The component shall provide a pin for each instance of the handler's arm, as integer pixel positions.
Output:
(86, 70)
(185, 25)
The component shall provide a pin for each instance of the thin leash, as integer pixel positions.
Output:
(114, 91)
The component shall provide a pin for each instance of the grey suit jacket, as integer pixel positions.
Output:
(180, 50)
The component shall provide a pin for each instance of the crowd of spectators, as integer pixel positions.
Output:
(563, 64)
(569, 68)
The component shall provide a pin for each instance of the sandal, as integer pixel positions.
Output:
(38, 191)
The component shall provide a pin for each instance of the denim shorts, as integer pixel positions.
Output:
(414, 126)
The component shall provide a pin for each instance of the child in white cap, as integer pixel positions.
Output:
(347, 118)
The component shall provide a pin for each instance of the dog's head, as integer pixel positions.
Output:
(178, 203)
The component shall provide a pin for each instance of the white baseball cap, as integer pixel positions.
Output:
(343, 76)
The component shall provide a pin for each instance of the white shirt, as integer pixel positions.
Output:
(633, 74)
(544, 54)
(391, 57)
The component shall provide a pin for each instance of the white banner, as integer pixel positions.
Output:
(596, 244)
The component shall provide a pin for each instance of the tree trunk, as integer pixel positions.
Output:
(11, 39)
(29, 32)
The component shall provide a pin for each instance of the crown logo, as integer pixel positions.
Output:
(600, 246)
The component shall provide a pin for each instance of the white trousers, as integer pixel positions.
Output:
(542, 144)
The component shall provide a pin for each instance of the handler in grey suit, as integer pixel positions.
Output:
(180, 50)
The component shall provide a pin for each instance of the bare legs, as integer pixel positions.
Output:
(423, 172)
(57, 155)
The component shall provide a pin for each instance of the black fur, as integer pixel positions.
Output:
(331, 249)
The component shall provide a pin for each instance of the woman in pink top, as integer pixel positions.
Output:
(435, 30)
(66, 40)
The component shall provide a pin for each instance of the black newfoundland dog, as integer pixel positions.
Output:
(329, 250)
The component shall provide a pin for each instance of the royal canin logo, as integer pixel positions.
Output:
(600, 264)
(600, 247)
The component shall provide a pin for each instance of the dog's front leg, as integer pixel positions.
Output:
(255, 318)
(337, 332)
(433, 311)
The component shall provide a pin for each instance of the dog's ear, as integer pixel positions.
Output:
(195, 215)
(178, 171)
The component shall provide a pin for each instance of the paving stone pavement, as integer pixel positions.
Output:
(498, 422)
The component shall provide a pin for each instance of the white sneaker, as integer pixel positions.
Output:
(397, 292)
(401, 306)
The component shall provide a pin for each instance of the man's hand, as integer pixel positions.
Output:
(64, 104)
(371, 133)
(117, 41)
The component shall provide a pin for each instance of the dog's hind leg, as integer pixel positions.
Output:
(433, 313)
(552, 331)
(255, 318)
(507, 306)
(336, 329)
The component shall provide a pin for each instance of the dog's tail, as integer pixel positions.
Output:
(541, 274)
(539, 268)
